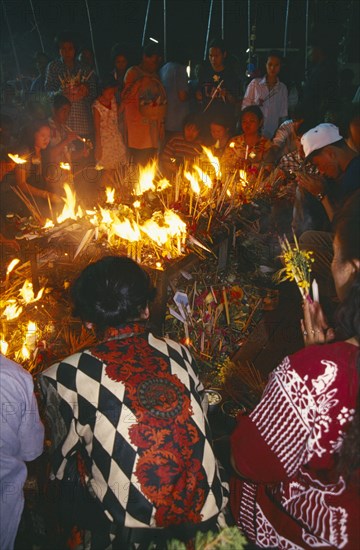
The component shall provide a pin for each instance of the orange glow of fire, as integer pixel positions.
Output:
(69, 210)
(17, 159)
(11, 265)
(194, 184)
(146, 179)
(65, 166)
(4, 346)
(48, 223)
(110, 195)
(162, 185)
(126, 229)
(12, 310)
(214, 161)
(27, 293)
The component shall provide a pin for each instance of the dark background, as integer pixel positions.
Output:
(123, 21)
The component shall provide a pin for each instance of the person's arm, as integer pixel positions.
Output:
(56, 150)
(270, 444)
(21, 181)
(249, 97)
(316, 186)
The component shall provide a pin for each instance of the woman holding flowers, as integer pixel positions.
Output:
(297, 452)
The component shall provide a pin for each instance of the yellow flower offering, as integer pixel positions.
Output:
(297, 265)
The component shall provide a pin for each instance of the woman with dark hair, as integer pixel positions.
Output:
(30, 176)
(269, 94)
(131, 403)
(247, 150)
(298, 452)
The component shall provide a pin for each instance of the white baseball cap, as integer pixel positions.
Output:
(320, 136)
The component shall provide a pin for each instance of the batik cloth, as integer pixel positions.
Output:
(133, 401)
(293, 496)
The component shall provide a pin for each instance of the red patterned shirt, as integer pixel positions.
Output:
(294, 497)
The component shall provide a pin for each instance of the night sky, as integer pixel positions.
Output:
(123, 21)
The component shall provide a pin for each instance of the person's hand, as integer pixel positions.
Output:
(53, 197)
(6, 166)
(76, 93)
(314, 325)
(315, 185)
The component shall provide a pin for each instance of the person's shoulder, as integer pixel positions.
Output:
(14, 376)
(339, 353)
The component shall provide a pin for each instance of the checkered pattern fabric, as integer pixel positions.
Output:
(80, 119)
(138, 429)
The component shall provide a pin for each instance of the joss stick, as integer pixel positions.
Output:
(226, 306)
(252, 314)
(50, 208)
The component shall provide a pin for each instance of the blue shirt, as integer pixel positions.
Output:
(21, 439)
(174, 79)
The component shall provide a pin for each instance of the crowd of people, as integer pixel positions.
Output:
(130, 409)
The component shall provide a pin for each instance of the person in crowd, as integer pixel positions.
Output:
(87, 57)
(286, 137)
(351, 130)
(110, 151)
(221, 133)
(30, 176)
(175, 81)
(182, 147)
(297, 452)
(41, 61)
(120, 62)
(132, 403)
(144, 100)
(218, 84)
(21, 440)
(269, 94)
(327, 150)
(76, 81)
(247, 150)
(308, 213)
(61, 149)
(321, 90)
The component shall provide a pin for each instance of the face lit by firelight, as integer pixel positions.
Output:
(42, 137)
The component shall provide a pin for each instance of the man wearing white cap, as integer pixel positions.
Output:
(328, 151)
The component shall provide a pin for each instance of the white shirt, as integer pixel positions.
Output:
(273, 103)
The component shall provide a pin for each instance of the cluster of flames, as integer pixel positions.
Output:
(12, 307)
(194, 191)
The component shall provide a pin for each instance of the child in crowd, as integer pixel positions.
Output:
(110, 151)
(248, 150)
(270, 94)
(220, 133)
(182, 147)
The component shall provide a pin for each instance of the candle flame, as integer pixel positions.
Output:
(146, 179)
(17, 159)
(12, 310)
(69, 206)
(11, 265)
(27, 292)
(48, 223)
(3, 347)
(193, 182)
(214, 161)
(110, 195)
(65, 166)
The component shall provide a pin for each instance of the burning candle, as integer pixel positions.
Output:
(17, 159)
(315, 291)
(246, 152)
